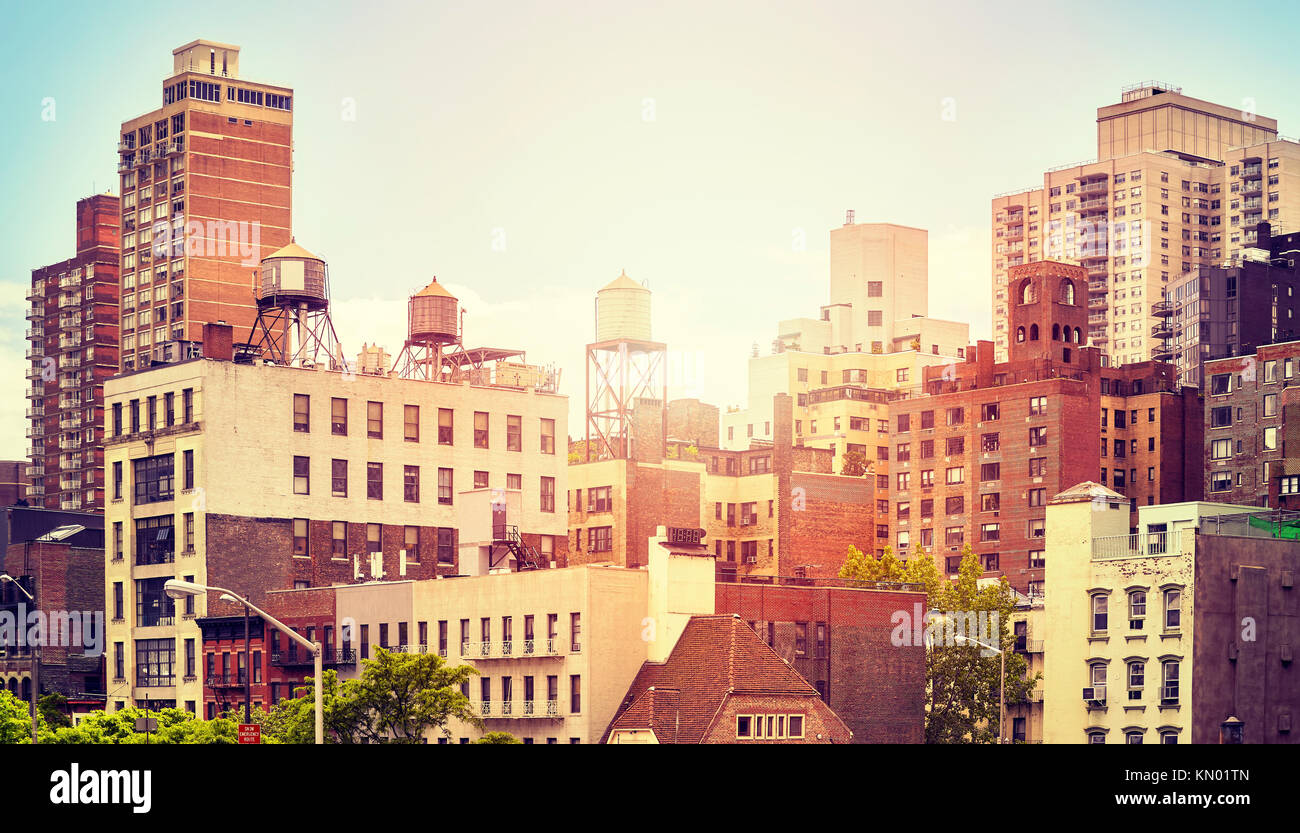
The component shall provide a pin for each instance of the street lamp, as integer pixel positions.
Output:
(36, 658)
(177, 589)
(1002, 683)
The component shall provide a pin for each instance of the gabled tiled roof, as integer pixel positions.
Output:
(715, 657)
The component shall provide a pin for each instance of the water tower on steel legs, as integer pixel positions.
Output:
(293, 325)
(432, 333)
(623, 365)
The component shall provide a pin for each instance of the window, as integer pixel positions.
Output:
(154, 662)
(548, 494)
(339, 416)
(375, 481)
(548, 436)
(1221, 417)
(375, 420)
(1136, 679)
(339, 478)
(1037, 405)
(990, 411)
(954, 475)
(446, 546)
(300, 546)
(338, 539)
(1038, 467)
(1173, 609)
(575, 632)
(301, 412)
(514, 433)
(1221, 449)
(1037, 497)
(990, 472)
(1038, 436)
(445, 486)
(1169, 691)
(600, 539)
(480, 429)
(301, 476)
(411, 423)
(575, 694)
(954, 505)
(187, 404)
(1099, 622)
(990, 502)
(956, 416)
(1137, 609)
(187, 471)
(374, 537)
(153, 476)
(990, 532)
(445, 426)
(411, 484)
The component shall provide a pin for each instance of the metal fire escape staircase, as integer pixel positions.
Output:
(506, 540)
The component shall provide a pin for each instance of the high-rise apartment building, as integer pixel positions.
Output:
(205, 195)
(72, 349)
(1178, 185)
(1232, 310)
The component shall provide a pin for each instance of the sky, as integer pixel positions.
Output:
(527, 152)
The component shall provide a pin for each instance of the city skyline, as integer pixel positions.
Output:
(677, 175)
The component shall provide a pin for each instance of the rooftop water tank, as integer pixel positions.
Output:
(623, 311)
(433, 315)
(294, 276)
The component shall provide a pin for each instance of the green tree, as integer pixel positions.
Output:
(962, 685)
(15, 719)
(54, 710)
(854, 464)
(397, 699)
(498, 737)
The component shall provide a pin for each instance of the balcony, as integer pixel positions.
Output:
(1252, 171)
(1097, 318)
(37, 410)
(1098, 302)
(1162, 309)
(66, 444)
(225, 681)
(36, 489)
(70, 505)
(1141, 545)
(37, 391)
(35, 371)
(36, 331)
(540, 708)
(35, 430)
(127, 163)
(1098, 337)
(1162, 330)
(35, 470)
(36, 311)
(1162, 354)
(329, 659)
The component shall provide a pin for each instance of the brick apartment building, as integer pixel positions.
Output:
(773, 509)
(58, 558)
(258, 477)
(839, 639)
(1248, 400)
(72, 346)
(217, 155)
(981, 448)
(13, 481)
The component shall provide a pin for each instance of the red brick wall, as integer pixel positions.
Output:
(877, 689)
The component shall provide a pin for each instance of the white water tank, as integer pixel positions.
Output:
(623, 311)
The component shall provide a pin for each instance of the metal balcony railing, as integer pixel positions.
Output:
(1137, 546)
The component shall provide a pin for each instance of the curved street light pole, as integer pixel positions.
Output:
(36, 661)
(179, 589)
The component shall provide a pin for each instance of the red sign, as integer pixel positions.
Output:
(250, 733)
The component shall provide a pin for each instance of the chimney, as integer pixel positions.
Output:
(218, 341)
(848, 217)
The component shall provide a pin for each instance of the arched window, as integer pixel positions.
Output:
(1033, 332)
(1078, 336)
(13, 686)
(1020, 335)
(1067, 292)
(1056, 332)
(1027, 294)
(27, 689)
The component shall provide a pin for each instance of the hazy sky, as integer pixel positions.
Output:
(691, 144)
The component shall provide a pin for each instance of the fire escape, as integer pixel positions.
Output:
(506, 541)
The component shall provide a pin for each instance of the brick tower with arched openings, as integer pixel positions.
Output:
(1048, 303)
